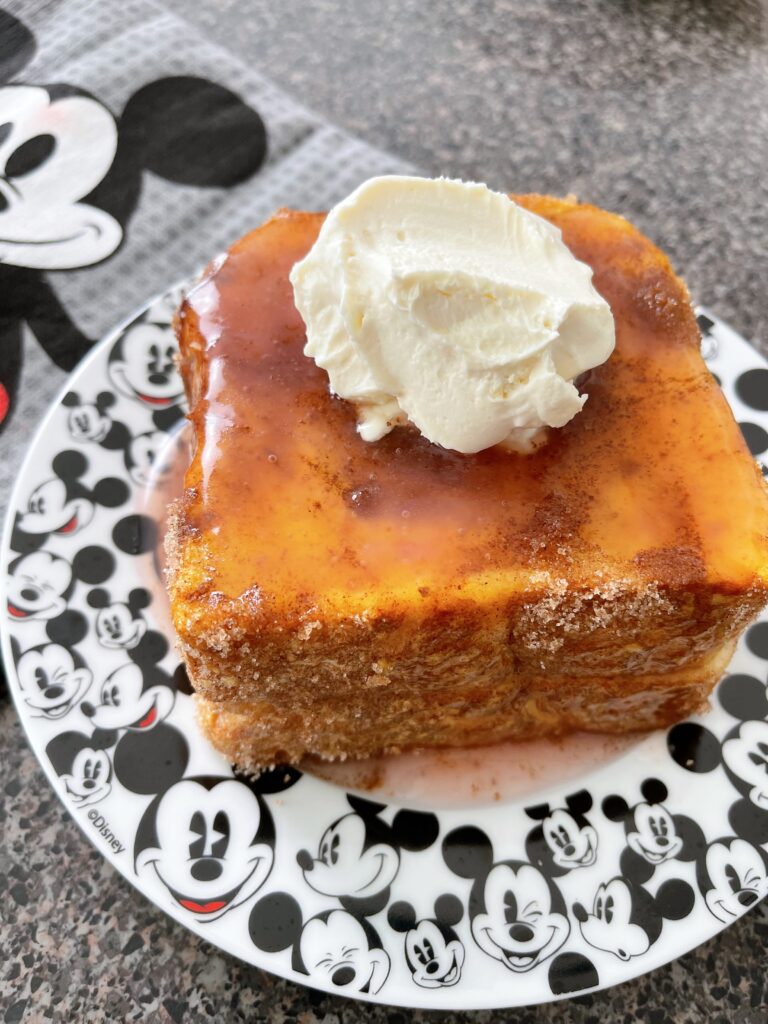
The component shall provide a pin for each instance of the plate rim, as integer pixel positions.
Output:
(398, 997)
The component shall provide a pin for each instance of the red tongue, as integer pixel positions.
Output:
(69, 527)
(17, 613)
(149, 718)
(154, 401)
(203, 908)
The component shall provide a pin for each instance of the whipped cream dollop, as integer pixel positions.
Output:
(445, 304)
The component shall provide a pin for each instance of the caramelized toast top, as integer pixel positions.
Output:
(287, 510)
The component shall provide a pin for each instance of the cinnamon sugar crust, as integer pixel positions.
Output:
(340, 598)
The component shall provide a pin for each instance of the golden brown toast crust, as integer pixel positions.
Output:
(599, 583)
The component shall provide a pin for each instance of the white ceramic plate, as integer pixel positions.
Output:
(511, 876)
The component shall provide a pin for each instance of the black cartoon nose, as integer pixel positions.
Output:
(432, 966)
(580, 913)
(662, 841)
(520, 933)
(205, 870)
(4, 204)
(343, 975)
(88, 709)
(89, 783)
(569, 850)
(747, 898)
(53, 692)
(158, 378)
(304, 860)
(28, 594)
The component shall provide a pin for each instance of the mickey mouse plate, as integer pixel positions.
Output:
(499, 877)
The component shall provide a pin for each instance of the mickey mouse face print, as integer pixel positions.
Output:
(44, 222)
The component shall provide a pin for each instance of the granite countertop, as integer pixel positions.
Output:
(656, 109)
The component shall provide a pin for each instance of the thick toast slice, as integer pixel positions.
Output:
(342, 598)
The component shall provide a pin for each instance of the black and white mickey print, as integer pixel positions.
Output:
(146, 455)
(358, 855)
(654, 836)
(39, 584)
(433, 951)
(335, 947)
(743, 753)
(565, 839)
(210, 840)
(517, 913)
(626, 920)
(732, 876)
(63, 504)
(119, 624)
(71, 175)
(582, 882)
(52, 678)
(85, 771)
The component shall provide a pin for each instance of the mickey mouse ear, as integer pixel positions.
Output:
(105, 400)
(17, 46)
(69, 465)
(139, 598)
(539, 812)
(468, 852)
(98, 598)
(93, 564)
(365, 808)
(68, 628)
(654, 791)
(275, 922)
(71, 399)
(449, 909)
(579, 803)
(694, 747)
(615, 807)
(744, 697)
(110, 492)
(401, 916)
(194, 132)
(135, 534)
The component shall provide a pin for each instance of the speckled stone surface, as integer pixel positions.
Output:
(656, 109)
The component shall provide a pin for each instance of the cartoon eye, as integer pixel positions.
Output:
(609, 909)
(324, 853)
(599, 907)
(5, 131)
(113, 626)
(761, 758)
(421, 955)
(429, 949)
(335, 843)
(41, 678)
(510, 907)
(169, 354)
(111, 696)
(531, 911)
(659, 826)
(29, 156)
(197, 828)
(732, 876)
(221, 828)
